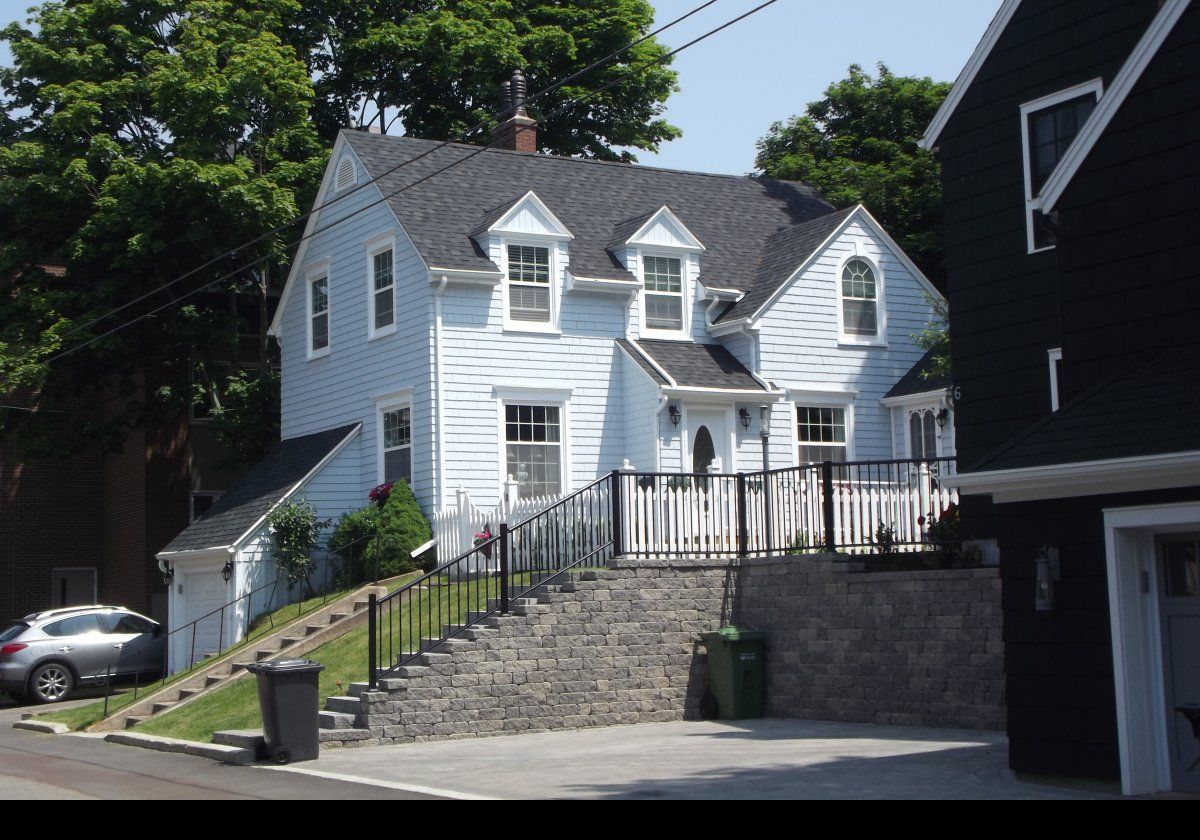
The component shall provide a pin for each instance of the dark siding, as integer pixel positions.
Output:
(1003, 301)
(1131, 223)
(1058, 665)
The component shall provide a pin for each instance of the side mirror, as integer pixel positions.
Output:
(158, 630)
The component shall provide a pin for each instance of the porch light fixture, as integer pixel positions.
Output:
(673, 411)
(1048, 571)
(168, 576)
(744, 416)
(227, 571)
(941, 417)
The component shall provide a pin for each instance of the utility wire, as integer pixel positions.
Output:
(457, 162)
(342, 195)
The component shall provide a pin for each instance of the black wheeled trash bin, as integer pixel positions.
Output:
(735, 674)
(288, 693)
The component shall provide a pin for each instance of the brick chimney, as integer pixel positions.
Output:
(517, 131)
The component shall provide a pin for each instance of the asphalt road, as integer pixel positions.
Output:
(36, 766)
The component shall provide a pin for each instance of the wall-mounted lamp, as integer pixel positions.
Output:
(1049, 570)
(168, 576)
(674, 413)
(227, 571)
(744, 416)
(941, 417)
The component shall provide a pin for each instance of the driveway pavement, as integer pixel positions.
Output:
(768, 759)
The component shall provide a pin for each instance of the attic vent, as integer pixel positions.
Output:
(345, 174)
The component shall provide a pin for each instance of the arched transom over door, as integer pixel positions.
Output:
(703, 450)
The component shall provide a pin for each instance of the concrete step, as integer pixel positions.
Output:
(408, 672)
(344, 705)
(160, 707)
(216, 752)
(247, 739)
(288, 641)
(434, 658)
(343, 735)
(336, 720)
(134, 720)
(185, 693)
(263, 655)
(359, 606)
(240, 666)
(314, 628)
(530, 609)
(212, 679)
(334, 618)
(393, 684)
(355, 689)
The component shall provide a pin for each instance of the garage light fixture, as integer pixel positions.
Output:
(168, 576)
(227, 571)
(675, 414)
(744, 416)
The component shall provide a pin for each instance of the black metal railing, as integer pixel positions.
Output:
(573, 533)
(856, 506)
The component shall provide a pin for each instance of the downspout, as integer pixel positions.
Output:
(438, 472)
(663, 399)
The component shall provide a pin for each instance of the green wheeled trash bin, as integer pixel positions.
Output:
(288, 695)
(735, 674)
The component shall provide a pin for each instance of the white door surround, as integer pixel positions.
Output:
(718, 424)
(1138, 664)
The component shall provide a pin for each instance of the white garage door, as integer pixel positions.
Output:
(203, 592)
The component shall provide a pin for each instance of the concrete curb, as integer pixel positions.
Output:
(44, 726)
(216, 752)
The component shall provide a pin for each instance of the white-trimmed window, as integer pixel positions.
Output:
(1048, 127)
(529, 286)
(318, 314)
(663, 298)
(1055, 359)
(859, 292)
(533, 448)
(395, 442)
(382, 308)
(822, 434)
(922, 434)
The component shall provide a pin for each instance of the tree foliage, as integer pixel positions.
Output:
(295, 530)
(859, 145)
(140, 139)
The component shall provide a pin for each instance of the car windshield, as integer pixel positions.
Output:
(13, 630)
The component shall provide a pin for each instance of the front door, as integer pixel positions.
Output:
(708, 439)
(1179, 566)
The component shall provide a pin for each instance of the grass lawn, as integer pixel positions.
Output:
(84, 716)
(345, 660)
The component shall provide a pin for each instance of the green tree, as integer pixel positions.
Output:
(401, 528)
(140, 139)
(295, 530)
(859, 145)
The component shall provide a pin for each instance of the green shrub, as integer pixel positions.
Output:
(402, 528)
(350, 540)
(294, 533)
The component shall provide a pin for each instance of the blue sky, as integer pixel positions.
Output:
(766, 68)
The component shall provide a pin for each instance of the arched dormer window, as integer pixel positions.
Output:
(860, 294)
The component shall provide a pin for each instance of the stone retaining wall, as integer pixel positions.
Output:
(902, 648)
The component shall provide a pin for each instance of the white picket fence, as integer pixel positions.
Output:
(455, 528)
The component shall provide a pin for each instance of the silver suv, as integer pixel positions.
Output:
(47, 655)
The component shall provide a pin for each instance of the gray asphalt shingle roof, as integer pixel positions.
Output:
(919, 379)
(700, 365)
(258, 490)
(733, 216)
(1150, 407)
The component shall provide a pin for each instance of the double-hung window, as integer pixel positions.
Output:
(529, 286)
(383, 309)
(821, 434)
(533, 448)
(662, 279)
(1049, 126)
(860, 301)
(396, 425)
(318, 314)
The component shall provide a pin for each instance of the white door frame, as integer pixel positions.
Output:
(730, 437)
(1138, 667)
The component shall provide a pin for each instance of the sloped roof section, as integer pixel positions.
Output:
(1150, 407)
(640, 360)
(921, 379)
(440, 207)
(700, 365)
(269, 482)
(785, 252)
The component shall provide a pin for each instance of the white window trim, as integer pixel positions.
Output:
(311, 274)
(908, 412)
(1095, 86)
(880, 339)
(797, 400)
(391, 402)
(550, 327)
(528, 396)
(684, 333)
(377, 245)
(1053, 356)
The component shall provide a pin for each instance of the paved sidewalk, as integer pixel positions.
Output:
(768, 759)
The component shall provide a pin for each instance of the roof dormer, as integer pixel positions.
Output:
(527, 217)
(659, 230)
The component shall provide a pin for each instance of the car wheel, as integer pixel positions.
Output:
(51, 683)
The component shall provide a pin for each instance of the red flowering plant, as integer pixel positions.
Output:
(484, 535)
(379, 495)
